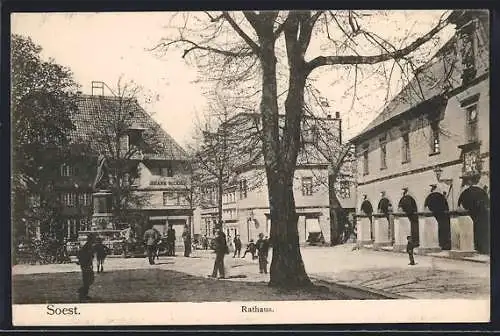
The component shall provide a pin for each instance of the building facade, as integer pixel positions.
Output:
(159, 177)
(246, 201)
(423, 163)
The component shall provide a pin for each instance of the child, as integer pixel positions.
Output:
(250, 248)
(409, 249)
(101, 251)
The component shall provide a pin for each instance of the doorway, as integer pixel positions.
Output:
(438, 205)
(409, 207)
(476, 201)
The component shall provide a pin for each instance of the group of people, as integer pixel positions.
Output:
(221, 249)
(154, 243)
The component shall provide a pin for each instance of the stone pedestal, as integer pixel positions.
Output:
(462, 236)
(363, 231)
(429, 237)
(401, 231)
(381, 232)
(102, 217)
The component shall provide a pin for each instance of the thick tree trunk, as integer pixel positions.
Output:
(287, 268)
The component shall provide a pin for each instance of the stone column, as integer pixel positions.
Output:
(381, 231)
(401, 231)
(462, 235)
(363, 230)
(428, 231)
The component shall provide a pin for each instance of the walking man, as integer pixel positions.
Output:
(186, 235)
(409, 249)
(151, 237)
(221, 250)
(85, 260)
(262, 246)
(171, 241)
(237, 246)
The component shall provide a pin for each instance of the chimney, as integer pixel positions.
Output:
(329, 116)
(97, 88)
(337, 115)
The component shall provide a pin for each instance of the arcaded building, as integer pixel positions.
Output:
(423, 162)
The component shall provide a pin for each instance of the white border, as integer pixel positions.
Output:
(290, 312)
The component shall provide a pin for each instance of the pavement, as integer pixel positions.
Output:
(378, 272)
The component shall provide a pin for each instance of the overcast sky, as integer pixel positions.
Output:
(105, 46)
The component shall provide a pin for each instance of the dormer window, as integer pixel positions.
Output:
(66, 170)
(135, 136)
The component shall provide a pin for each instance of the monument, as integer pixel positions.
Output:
(102, 214)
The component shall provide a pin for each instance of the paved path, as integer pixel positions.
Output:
(384, 271)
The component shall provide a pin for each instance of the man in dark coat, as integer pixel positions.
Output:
(221, 249)
(186, 236)
(85, 260)
(171, 241)
(262, 246)
(151, 238)
(250, 248)
(237, 246)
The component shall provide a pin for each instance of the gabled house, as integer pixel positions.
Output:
(154, 169)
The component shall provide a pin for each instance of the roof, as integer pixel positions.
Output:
(430, 81)
(92, 110)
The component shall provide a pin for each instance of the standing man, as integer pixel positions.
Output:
(186, 236)
(221, 249)
(262, 246)
(85, 260)
(237, 246)
(151, 237)
(171, 240)
(409, 249)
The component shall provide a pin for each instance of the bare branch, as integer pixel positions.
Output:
(397, 54)
(194, 46)
(251, 43)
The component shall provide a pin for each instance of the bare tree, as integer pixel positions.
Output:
(120, 131)
(231, 45)
(226, 141)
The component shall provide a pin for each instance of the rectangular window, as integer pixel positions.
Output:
(435, 140)
(406, 147)
(69, 199)
(307, 186)
(173, 198)
(84, 224)
(168, 198)
(66, 170)
(124, 145)
(471, 131)
(383, 153)
(84, 198)
(365, 160)
(155, 171)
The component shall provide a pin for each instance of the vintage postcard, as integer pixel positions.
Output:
(250, 167)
